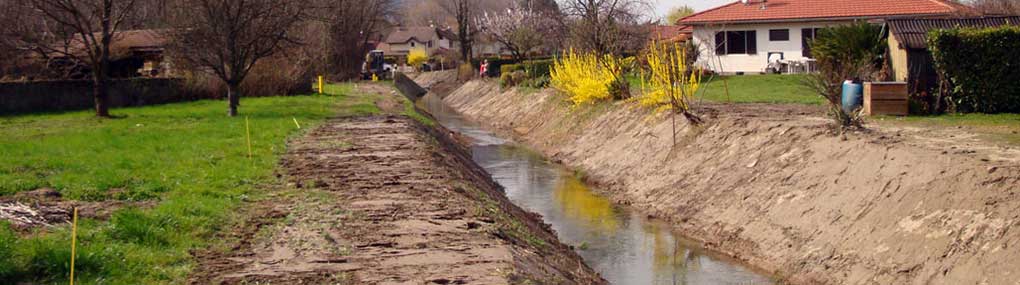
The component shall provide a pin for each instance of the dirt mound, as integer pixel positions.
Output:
(384, 200)
(771, 185)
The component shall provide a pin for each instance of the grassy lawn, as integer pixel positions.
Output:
(189, 158)
(760, 89)
(753, 89)
(995, 127)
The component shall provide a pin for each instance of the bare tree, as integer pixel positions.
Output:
(152, 14)
(80, 30)
(10, 36)
(425, 13)
(678, 13)
(520, 29)
(350, 25)
(464, 12)
(997, 7)
(607, 26)
(228, 37)
(547, 7)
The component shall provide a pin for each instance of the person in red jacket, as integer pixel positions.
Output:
(484, 69)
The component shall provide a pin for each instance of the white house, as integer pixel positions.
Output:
(746, 36)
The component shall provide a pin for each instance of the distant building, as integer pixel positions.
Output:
(485, 47)
(402, 40)
(748, 36)
(680, 33)
(908, 47)
(133, 53)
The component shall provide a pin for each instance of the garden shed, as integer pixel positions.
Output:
(908, 48)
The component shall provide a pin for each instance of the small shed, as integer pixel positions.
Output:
(908, 48)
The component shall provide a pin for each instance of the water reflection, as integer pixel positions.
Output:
(624, 246)
(583, 207)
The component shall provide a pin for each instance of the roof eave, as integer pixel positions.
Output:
(817, 19)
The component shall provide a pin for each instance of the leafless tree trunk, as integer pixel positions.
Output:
(465, 11)
(606, 26)
(228, 37)
(350, 25)
(81, 30)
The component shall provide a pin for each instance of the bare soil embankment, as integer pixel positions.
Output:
(387, 200)
(772, 185)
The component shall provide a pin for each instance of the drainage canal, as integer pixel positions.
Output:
(622, 245)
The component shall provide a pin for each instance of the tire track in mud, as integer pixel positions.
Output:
(385, 200)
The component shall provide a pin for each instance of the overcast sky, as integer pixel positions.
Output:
(663, 6)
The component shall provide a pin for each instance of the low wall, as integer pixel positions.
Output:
(67, 95)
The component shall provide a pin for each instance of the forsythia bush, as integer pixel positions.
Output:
(671, 81)
(585, 76)
(416, 58)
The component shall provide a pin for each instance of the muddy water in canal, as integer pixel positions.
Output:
(622, 245)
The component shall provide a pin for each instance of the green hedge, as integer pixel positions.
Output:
(508, 68)
(537, 68)
(981, 65)
(530, 73)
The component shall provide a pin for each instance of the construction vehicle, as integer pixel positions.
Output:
(375, 66)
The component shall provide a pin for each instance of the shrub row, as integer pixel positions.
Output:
(496, 64)
(529, 73)
(981, 65)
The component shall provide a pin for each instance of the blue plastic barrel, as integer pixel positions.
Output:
(853, 96)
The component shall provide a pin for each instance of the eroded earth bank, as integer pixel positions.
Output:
(773, 186)
(387, 200)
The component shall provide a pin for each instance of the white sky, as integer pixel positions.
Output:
(663, 6)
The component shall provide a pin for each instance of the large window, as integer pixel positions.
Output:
(736, 42)
(806, 36)
(779, 35)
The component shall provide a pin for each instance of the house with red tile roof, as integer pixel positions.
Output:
(752, 36)
(671, 33)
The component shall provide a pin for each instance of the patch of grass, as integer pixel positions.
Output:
(190, 158)
(8, 240)
(996, 127)
(507, 224)
(770, 88)
(410, 111)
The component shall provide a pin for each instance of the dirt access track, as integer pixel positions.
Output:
(388, 200)
(774, 186)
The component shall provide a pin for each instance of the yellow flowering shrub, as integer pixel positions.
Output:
(416, 58)
(669, 82)
(586, 77)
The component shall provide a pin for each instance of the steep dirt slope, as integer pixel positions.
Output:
(770, 184)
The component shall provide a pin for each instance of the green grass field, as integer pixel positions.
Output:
(752, 89)
(760, 89)
(190, 158)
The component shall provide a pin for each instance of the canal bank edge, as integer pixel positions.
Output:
(538, 254)
(771, 185)
(384, 199)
